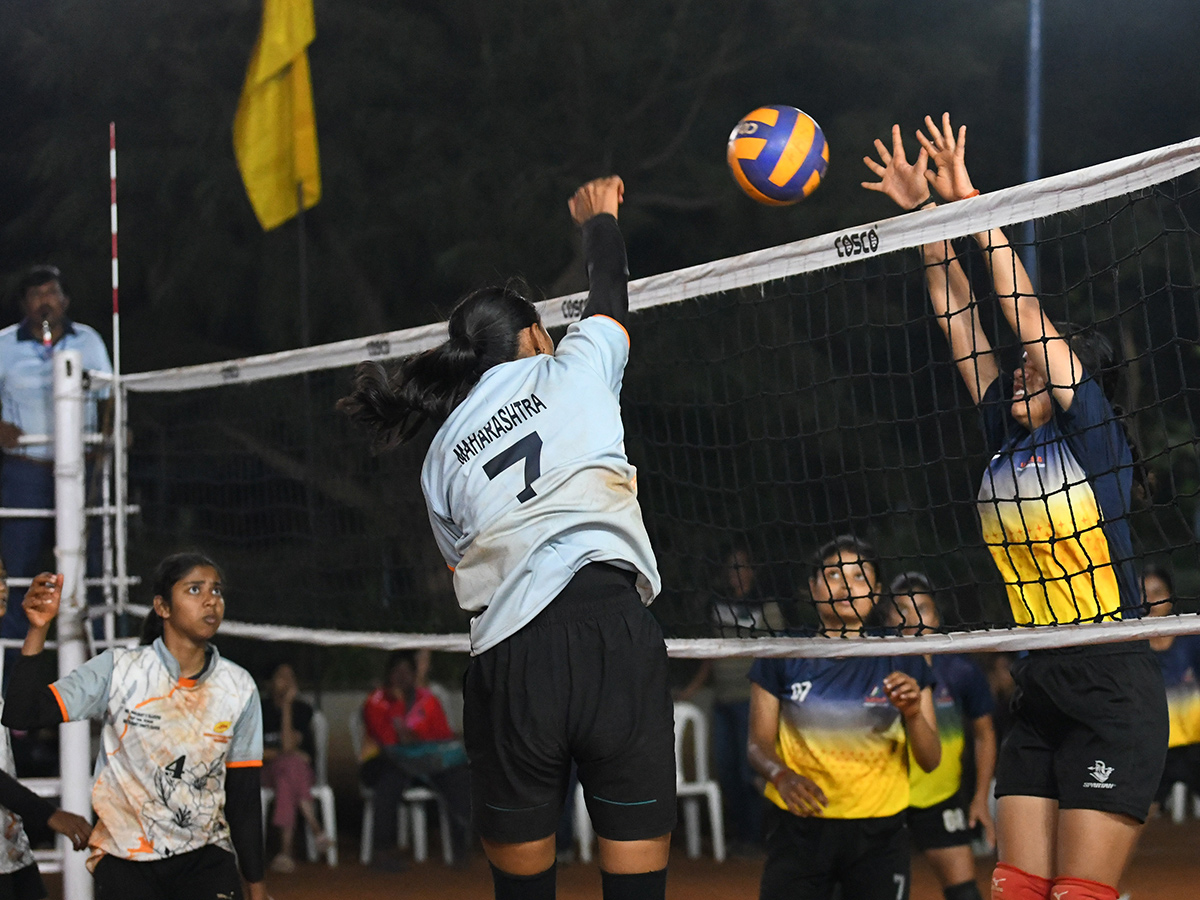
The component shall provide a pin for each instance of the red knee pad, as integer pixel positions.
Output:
(1010, 883)
(1081, 889)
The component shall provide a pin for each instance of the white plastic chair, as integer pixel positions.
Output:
(689, 792)
(412, 809)
(322, 793)
(702, 786)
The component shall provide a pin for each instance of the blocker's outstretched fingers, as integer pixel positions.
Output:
(884, 153)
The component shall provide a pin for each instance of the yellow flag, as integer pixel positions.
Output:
(275, 129)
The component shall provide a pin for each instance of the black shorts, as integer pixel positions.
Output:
(941, 825)
(1089, 729)
(586, 681)
(23, 884)
(209, 873)
(1183, 764)
(808, 857)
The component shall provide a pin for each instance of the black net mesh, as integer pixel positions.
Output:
(763, 422)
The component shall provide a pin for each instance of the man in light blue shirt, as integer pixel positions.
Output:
(27, 408)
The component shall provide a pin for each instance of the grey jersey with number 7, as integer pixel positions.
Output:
(527, 482)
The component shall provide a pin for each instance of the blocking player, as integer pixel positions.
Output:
(1080, 765)
(832, 739)
(534, 506)
(177, 787)
(941, 823)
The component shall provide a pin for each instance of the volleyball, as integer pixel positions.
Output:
(778, 155)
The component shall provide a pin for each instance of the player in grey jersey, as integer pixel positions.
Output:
(533, 504)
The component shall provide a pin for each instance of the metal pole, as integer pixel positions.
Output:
(1033, 130)
(120, 478)
(70, 527)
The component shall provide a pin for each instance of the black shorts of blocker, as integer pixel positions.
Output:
(23, 884)
(941, 825)
(1089, 729)
(1183, 765)
(808, 857)
(586, 680)
(209, 873)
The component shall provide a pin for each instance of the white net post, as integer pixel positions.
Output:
(70, 556)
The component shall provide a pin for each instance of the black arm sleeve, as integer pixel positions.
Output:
(243, 812)
(35, 811)
(608, 272)
(28, 702)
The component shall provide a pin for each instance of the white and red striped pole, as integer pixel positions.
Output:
(118, 393)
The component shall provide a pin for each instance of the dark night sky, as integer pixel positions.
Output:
(451, 132)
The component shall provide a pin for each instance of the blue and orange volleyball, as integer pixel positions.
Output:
(778, 155)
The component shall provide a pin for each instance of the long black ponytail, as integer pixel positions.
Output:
(484, 327)
(169, 571)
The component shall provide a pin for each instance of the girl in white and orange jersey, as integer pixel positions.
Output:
(177, 779)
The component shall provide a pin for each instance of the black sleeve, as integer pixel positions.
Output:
(243, 812)
(28, 702)
(34, 810)
(608, 272)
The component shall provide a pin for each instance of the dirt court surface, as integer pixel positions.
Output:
(1166, 867)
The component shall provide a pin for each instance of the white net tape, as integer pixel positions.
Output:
(1017, 204)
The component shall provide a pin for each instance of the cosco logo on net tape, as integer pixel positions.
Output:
(857, 244)
(379, 348)
(573, 309)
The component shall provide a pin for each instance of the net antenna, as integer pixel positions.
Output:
(749, 376)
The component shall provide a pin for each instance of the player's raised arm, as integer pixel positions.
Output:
(594, 207)
(950, 296)
(1048, 352)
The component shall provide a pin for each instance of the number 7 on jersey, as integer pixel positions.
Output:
(528, 448)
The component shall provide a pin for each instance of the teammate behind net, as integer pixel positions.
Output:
(534, 506)
(1079, 769)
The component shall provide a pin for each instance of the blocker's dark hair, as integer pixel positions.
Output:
(168, 573)
(1102, 362)
(484, 328)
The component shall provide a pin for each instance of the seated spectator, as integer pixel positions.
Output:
(408, 738)
(288, 754)
(1179, 657)
(738, 608)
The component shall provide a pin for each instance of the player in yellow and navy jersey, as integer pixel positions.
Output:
(941, 816)
(534, 506)
(1179, 658)
(176, 789)
(1079, 768)
(832, 738)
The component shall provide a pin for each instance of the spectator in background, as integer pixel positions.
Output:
(940, 822)
(288, 755)
(1179, 657)
(27, 408)
(408, 737)
(738, 609)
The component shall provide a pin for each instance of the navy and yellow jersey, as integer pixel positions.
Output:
(960, 696)
(1053, 508)
(1181, 674)
(837, 728)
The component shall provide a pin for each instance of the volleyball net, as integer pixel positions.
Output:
(772, 401)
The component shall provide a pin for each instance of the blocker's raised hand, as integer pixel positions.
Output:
(900, 180)
(947, 152)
